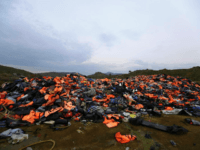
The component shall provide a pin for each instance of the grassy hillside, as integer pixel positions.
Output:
(99, 75)
(8, 74)
(192, 73)
(54, 74)
(11, 70)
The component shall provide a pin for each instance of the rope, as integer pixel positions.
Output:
(7, 113)
(41, 142)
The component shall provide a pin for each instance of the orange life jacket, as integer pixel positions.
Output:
(124, 138)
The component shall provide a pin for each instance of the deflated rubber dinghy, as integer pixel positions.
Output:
(170, 129)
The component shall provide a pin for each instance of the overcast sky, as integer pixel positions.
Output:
(87, 36)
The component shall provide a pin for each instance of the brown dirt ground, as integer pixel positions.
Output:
(97, 136)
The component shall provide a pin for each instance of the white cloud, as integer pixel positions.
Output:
(105, 35)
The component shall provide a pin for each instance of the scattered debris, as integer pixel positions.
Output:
(148, 136)
(170, 129)
(16, 135)
(124, 138)
(29, 148)
(172, 142)
(192, 121)
(41, 142)
(79, 131)
(56, 101)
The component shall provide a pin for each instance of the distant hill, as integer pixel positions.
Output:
(192, 73)
(54, 74)
(111, 73)
(98, 75)
(8, 74)
(11, 70)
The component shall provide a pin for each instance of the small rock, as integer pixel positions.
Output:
(83, 121)
(79, 131)
(29, 148)
(157, 144)
(172, 142)
(148, 136)
(127, 148)
(152, 148)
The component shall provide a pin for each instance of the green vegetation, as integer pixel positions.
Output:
(8, 74)
(53, 74)
(11, 70)
(99, 75)
(192, 73)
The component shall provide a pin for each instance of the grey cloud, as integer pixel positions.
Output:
(5, 5)
(157, 66)
(108, 39)
(22, 45)
(85, 69)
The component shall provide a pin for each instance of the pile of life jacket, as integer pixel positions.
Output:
(109, 101)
